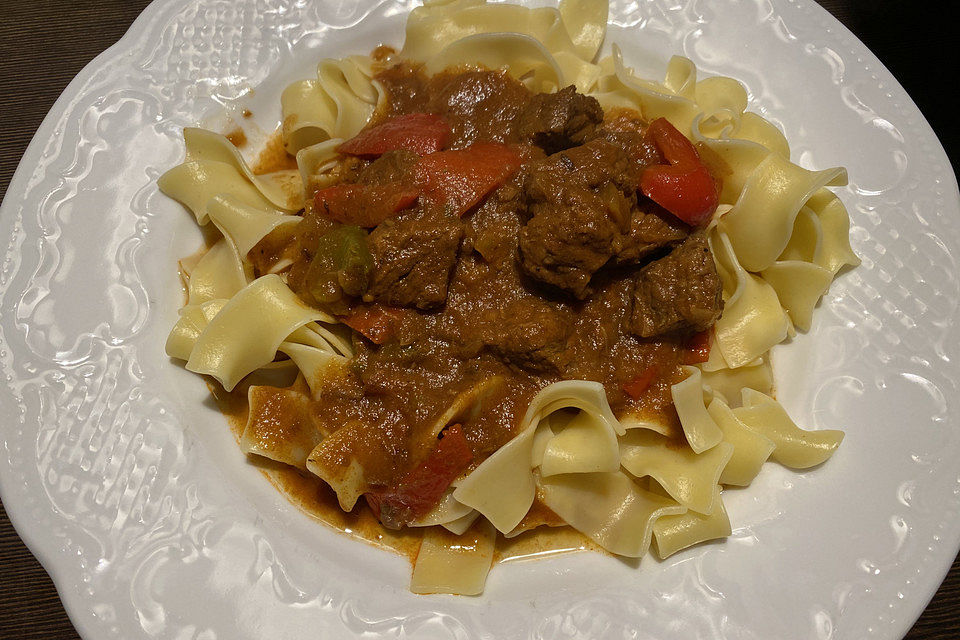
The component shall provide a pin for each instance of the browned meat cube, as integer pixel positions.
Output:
(531, 336)
(681, 292)
(412, 261)
(580, 202)
(393, 166)
(564, 245)
(651, 229)
(557, 121)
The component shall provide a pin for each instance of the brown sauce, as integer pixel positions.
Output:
(236, 137)
(273, 156)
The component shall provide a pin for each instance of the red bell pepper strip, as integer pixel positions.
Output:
(376, 322)
(636, 387)
(364, 206)
(697, 349)
(422, 133)
(460, 179)
(684, 187)
(421, 488)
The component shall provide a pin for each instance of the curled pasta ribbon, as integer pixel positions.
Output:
(688, 477)
(213, 166)
(535, 45)
(621, 89)
(700, 430)
(609, 508)
(756, 129)
(679, 531)
(834, 231)
(521, 55)
(760, 223)
(315, 163)
(585, 22)
(741, 157)
(194, 184)
(248, 330)
(246, 224)
(450, 514)
(335, 105)
(727, 383)
(219, 273)
(337, 461)
(750, 448)
(579, 444)
(753, 320)
(571, 394)
(194, 318)
(795, 447)
(503, 486)
(799, 286)
(317, 359)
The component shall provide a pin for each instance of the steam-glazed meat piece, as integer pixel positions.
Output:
(478, 105)
(628, 134)
(392, 167)
(530, 336)
(651, 229)
(566, 244)
(412, 261)
(579, 201)
(557, 121)
(681, 292)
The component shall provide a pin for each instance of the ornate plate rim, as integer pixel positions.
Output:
(137, 36)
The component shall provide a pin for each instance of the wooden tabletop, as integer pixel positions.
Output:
(44, 43)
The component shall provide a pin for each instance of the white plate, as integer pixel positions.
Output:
(129, 488)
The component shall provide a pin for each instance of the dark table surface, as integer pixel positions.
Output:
(44, 43)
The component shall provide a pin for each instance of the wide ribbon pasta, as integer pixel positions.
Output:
(688, 477)
(245, 224)
(456, 564)
(753, 320)
(582, 444)
(700, 430)
(750, 448)
(609, 508)
(676, 532)
(795, 447)
(219, 273)
(532, 43)
(337, 104)
(193, 320)
(247, 331)
(761, 221)
(503, 486)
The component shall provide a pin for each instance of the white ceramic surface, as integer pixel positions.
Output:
(127, 484)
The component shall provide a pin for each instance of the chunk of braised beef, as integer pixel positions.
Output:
(628, 134)
(412, 259)
(565, 244)
(478, 105)
(651, 229)
(392, 167)
(579, 203)
(680, 292)
(557, 121)
(530, 335)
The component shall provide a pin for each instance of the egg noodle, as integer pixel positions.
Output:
(778, 238)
